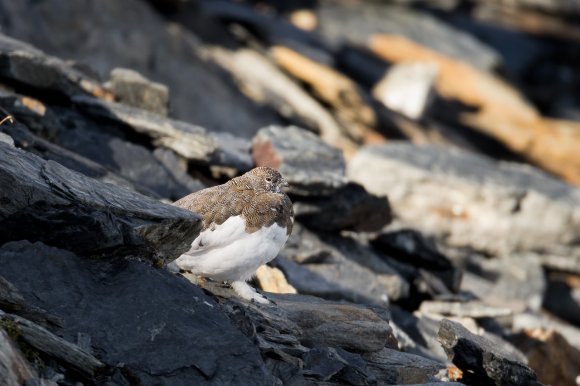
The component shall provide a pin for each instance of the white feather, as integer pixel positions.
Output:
(229, 253)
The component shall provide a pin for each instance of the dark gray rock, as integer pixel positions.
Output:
(6, 139)
(133, 89)
(410, 247)
(44, 201)
(190, 141)
(311, 166)
(480, 361)
(329, 363)
(361, 275)
(177, 166)
(348, 208)
(395, 367)
(146, 324)
(24, 64)
(562, 298)
(132, 35)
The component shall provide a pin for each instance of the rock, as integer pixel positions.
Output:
(481, 362)
(14, 368)
(473, 309)
(517, 282)
(410, 247)
(25, 64)
(349, 208)
(310, 166)
(271, 279)
(550, 355)
(329, 363)
(133, 89)
(6, 139)
(39, 195)
(470, 201)
(177, 166)
(347, 101)
(187, 140)
(533, 320)
(265, 83)
(361, 274)
(162, 51)
(157, 328)
(562, 297)
(395, 367)
(500, 111)
(407, 88)
(44, 341)
(356, 23)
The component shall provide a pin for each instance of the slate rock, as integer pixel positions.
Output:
(480, 361)
(133, 89)
(470, 201)
(562, 297)
(6, 139)
(310, 165)
(190, 141)
(161, 50)
(348, 208)
(340, 268)
(85, 215)
(411, 247)
(152, 326)
(24, 64)
(395, 367)
(329, 363)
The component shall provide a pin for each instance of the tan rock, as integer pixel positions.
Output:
(271, 279)
(502, 112)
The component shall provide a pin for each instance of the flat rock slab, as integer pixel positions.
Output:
(471, 201)
(84, 215)
(190, 141)
(348, 208)
(145, 323)
(311, 166)
(22, 63)
(480, 360)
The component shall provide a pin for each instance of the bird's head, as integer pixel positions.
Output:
(266, 179)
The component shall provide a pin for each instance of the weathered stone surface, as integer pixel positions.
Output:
(14, 368)
(6, 139)
(516, 282)
(133, 89)
(501, 112)
(190, 141)
(177, 166)
(340, 268)
(480, 360)
(310, 165)
(338, 365)
(356, 23)
(22, 63)
(410, 247)
(349, 208)
(562, 297)
(470, 201)
(157, 328)
(473, 309)
(550, 355)
(395, 367)
(162, 51)
(534, 320)
(40, 195)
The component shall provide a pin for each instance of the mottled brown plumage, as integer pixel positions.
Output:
(256, 196)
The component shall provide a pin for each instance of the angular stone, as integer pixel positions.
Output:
(349, 208)
(24, 64)
(470, 201)
(158, 328)
(187, 140)
(40, 195)
(395, 367)
(14, 367)
(481, 362)
(6, 139)
(310, 165)
(410, 247)
(329, 363)
(340, 268)
(133, 89)
(473, 309)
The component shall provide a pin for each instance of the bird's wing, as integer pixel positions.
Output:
(222, 221)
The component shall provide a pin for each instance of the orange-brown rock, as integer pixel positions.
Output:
(502, 112)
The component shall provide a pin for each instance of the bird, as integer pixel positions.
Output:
(245, 223)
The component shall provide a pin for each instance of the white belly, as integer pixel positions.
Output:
(228, 253)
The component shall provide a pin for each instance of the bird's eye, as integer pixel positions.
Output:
(268, 179)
